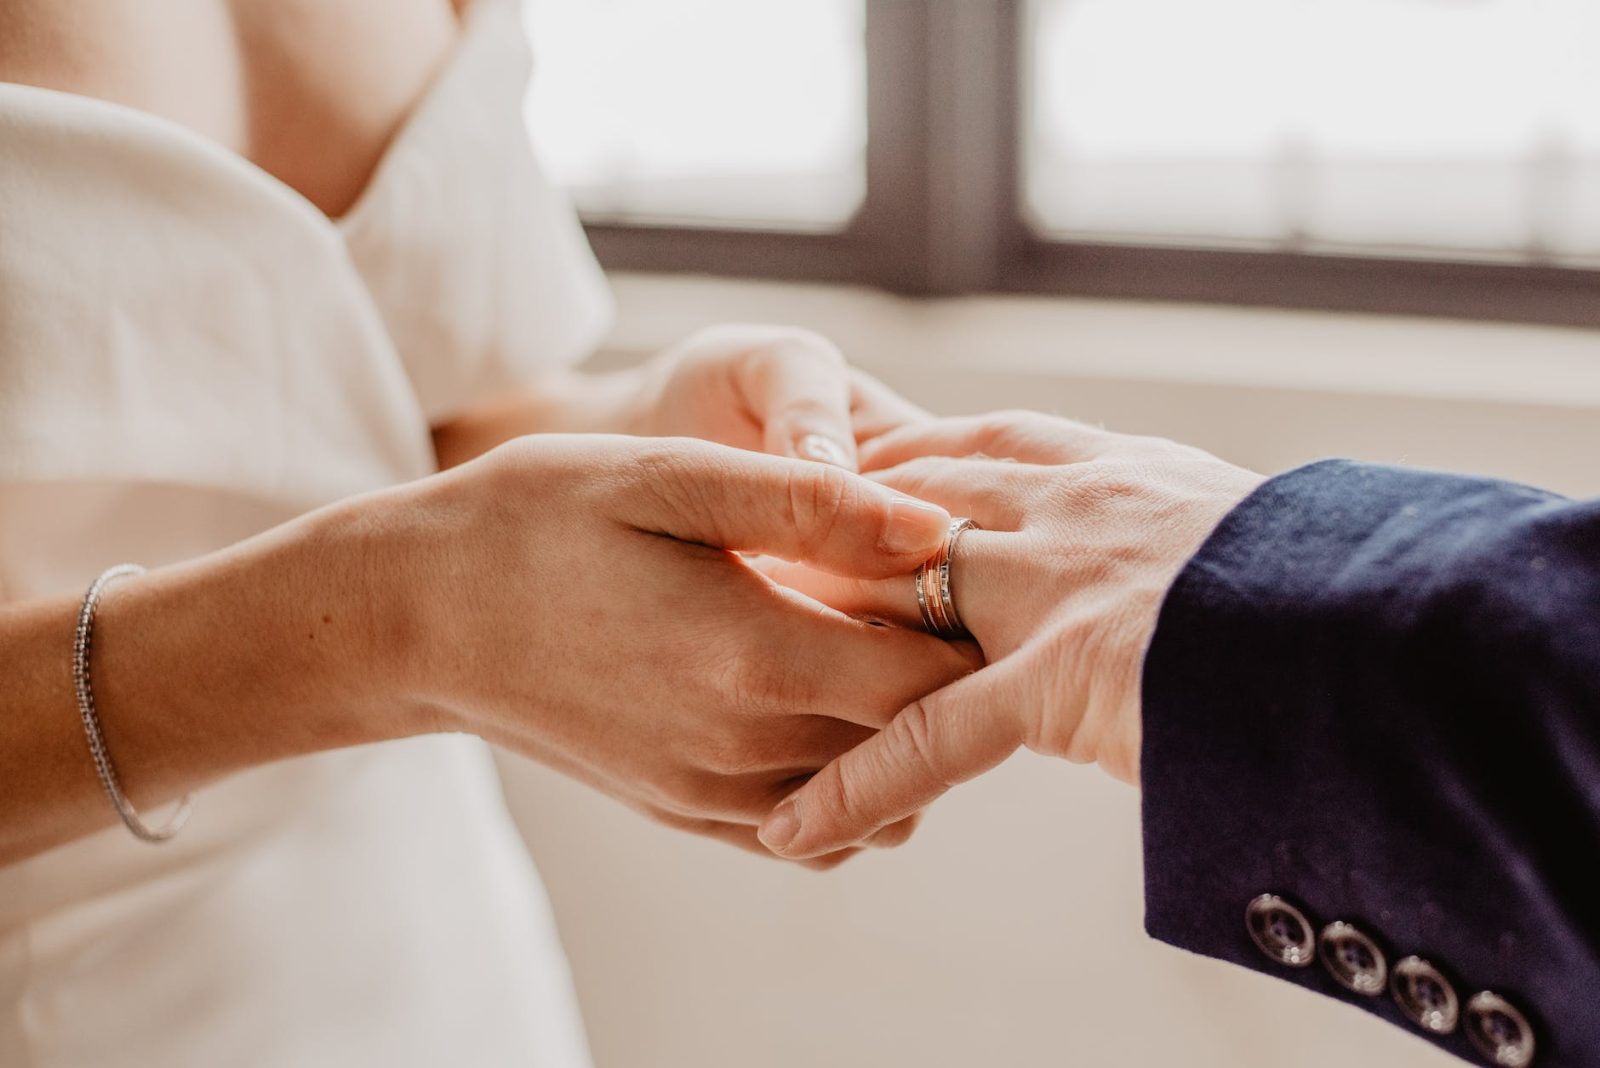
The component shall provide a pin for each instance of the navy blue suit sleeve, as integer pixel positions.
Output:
(1376, 693)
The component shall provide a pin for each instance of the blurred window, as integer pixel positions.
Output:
(710, 112)
(1433, 128)
(1416, 156)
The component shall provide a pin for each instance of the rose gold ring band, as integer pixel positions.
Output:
(934, 599)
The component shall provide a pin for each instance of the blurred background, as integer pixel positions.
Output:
(1279, 229)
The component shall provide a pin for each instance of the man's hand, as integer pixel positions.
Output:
(1083, 531)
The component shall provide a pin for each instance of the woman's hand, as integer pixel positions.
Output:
(1083, 531)
(574, 598)
(773, 389)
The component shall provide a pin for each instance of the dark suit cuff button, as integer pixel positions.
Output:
(1425, 996)
(1354, 960)
(1499, 1030)
(1280, 931)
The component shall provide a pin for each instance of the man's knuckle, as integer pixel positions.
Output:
(1083, 490)
(833, 797)
(913, 735)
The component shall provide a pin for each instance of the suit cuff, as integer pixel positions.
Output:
(1306, 735)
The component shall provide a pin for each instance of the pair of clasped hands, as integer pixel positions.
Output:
(729, 633)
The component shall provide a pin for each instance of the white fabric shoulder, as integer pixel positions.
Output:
(163, 317)
(479, 264)
(170, 312)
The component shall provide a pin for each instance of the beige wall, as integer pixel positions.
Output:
(1008, 931)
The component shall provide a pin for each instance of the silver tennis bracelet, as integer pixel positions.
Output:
(91, 720)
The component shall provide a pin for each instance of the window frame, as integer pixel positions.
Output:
(943, 212)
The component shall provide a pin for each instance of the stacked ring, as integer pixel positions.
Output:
(934, 599)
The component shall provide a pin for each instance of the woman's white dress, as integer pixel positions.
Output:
(191, 352)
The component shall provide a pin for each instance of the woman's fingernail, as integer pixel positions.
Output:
(823, 450)
(914, 526)
(780, 827)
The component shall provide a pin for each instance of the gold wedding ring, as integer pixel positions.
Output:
(938, 607)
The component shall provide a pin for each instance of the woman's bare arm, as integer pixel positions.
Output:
(557, 597)
(242, 657)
